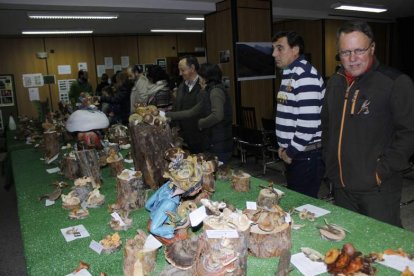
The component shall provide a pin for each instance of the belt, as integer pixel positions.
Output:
(315, 146)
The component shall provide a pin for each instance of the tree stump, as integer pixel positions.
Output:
(116, 167)
(149, 143)
(137, 260)
(222, 256)
(51, 144)
(270, 244)
(267, 198)
(241, 182)
(70, 167)
(89, 164)
(131, 193)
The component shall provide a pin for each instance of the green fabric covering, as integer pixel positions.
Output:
(47, 252)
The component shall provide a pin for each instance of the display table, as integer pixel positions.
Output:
(47, 252)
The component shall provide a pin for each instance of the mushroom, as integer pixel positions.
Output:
(86, 120)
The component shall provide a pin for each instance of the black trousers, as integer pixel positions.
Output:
(383, 205)
(304, 174)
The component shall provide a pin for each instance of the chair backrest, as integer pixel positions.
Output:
(268, 124)
(248, 117)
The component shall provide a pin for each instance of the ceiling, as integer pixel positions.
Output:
(139, 16)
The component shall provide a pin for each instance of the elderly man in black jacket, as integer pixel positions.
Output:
(368, 128)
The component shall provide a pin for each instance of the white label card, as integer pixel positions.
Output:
(74, 232)
(49, 202)
(221, 234)
(53, 170)
(197, 216)
(116, 216)
(82, 272)
(52, 159)
(151, 243)
(313, 209)
(96, 246)
(251, 205)
(397, 262)
(306, 266)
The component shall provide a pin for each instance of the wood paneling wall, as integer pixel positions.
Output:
(18, 56)
(256, 93)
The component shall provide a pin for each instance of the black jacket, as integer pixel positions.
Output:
(374, 132)
(123, 99)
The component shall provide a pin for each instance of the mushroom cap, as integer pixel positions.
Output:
(86, 120)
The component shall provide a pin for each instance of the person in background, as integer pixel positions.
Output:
(159, 93)
(298, 116)
(368, 127)
(188, 105)
(79, 86)
(139, 93)
(218, 122)
(104, 82)
(121, 98)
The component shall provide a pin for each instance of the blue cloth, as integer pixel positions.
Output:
(305, 173)
(160, 202)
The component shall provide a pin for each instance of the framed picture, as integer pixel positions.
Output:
(6, 90)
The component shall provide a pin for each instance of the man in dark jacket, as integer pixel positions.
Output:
(368, 128)
(188, 105)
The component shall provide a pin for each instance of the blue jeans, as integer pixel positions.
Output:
(305, 173)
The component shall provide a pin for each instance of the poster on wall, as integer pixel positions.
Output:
(82, 66)
(6, 90)
(254, 61)
(33, 80)
(117, 68)
(64, 70)
(100, 69)
(109, 62)
(64, 87)
(125, 61)
(34, 94)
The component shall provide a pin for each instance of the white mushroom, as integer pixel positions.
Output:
(86, 120)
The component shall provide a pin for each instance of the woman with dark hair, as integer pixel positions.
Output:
(159, 94)
(120, 99)
(218, 122)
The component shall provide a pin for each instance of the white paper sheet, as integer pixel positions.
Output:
(117, 68)
(64, 69)
(34, 94)
(32, 80)
(96, 246)
(100, 69)
(251, 205)
(109, 63)
(53, 170)
(125, 61)
(75, 232)
(82, 66)
(197, 216)
(151, 243)
(313, 209)
(306, 266)
(397, 262)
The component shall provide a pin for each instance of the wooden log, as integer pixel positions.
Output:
(267, 198)
(222, 256)
(70, 167)
(270, 244)
(51, 144)
(241, 182)
(284, 263)
(89, 164)
(131, 192)
(149, 143)
(208, 181)
(137, 260)
(116, 167)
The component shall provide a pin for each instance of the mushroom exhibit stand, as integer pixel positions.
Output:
(47, 252)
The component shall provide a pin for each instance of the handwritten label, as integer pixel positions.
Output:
(116, 217)
(197, 216)
(49, 202)
(151, 243)
(96, 246)
(221, 234)
(251, 205)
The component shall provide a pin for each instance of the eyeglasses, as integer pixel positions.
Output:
(358, 52)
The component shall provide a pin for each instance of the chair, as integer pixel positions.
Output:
(248, 117)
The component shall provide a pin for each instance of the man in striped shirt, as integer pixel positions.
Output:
(298, 120)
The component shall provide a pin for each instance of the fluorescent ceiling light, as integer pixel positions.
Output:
(57, 32)
(67, 15)
(362, 7)
(195, 18)
(175, 31)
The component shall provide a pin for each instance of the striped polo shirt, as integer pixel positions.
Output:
(299, 104)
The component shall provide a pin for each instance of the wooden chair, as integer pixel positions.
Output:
(248, 117)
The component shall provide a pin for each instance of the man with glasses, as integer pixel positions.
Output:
(367, 127)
